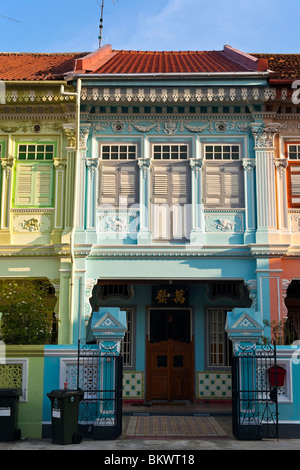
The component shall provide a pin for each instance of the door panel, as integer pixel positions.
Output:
(170, 356)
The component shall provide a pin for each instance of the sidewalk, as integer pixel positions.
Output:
(133, 447)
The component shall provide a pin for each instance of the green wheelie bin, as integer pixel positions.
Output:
(64, 416)
(9, 408)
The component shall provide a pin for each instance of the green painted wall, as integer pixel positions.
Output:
(30, 412)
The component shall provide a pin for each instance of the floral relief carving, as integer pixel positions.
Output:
(32, 225)
(225, 225)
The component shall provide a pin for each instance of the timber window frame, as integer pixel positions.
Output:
(223, 176)
(118, 174)
(218, 343)
(34, 174)
(293, 156)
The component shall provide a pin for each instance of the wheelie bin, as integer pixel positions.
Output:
(64, 416)
(9, 408)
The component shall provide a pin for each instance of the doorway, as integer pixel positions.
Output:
(170, 356)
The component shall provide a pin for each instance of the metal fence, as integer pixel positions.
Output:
(100, 377)
(255, 377)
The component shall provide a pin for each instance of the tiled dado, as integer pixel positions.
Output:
(209, 385)
(213, 385)
(133, 385)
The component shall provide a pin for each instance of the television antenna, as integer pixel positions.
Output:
(101, 20)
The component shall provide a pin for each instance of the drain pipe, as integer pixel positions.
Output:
(74, 218)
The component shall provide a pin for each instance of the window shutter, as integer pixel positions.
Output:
(294, 185)
(233, 189)
(128, 183)
(213, 186)
(43, 184)
(24, 185)
(160, 184)
(108, 185)
(223, 186)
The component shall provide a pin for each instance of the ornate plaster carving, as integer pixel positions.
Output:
(281, 165)
(264, 135)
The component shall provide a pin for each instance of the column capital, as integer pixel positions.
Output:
(248, 165)
(144, 165)
(92, 165)
(70, 133)
(196, 164)
(281, 165)
(84, 135)
(7, 164)
(264, 135)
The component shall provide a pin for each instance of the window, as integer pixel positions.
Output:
(118, 175)
(118, 152)
(34, 175)
(223, 176)
(293, 153)
(127, 342)
(170, 152)
(222, 152)
(219, 346)
(171, 201)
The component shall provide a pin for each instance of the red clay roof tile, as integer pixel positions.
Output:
(131, 62)
(287, 66)
(36, 66)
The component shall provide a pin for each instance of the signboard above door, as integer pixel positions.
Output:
(170, 295)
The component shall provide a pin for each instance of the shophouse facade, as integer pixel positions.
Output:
(172, 195)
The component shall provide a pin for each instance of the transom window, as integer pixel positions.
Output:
(35, 152)
(222, 152)
(118, 152)
(294, 152)
(170, 152)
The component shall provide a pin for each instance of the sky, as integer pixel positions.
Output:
(254, 26)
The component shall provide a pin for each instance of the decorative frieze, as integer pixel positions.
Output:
(178, 94)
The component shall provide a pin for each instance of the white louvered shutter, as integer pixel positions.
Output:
(232, 185)
(180, 200)
(128, 183)
(212, 185)
(170, 214)
(24, 191)
(223, 185)
(108, 191)
(160, 211)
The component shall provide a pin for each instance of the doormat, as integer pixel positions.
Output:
(174, 427)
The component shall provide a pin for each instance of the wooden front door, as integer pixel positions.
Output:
(170, 356)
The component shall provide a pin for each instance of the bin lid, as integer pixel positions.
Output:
(10, 392)
(65, 393)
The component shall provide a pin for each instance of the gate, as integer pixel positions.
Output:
(100, 377)
(254, 392)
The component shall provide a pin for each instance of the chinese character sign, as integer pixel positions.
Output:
(170, 295)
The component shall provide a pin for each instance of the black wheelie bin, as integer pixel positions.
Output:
(64, 416)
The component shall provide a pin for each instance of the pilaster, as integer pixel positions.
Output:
(265, 182)
(250, 201)
(198, 220)
(144, 235)
(7, 171)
